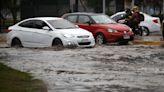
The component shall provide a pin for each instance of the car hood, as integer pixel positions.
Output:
(75, 31)
(116, 26)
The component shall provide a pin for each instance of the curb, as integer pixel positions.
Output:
(148, 42)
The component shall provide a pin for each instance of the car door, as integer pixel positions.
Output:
(24, 32)
(87, 23)
(41, 37)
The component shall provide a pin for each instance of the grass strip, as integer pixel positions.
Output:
(12, 80)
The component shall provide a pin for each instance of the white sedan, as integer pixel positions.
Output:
(152, 24)
(48, 32)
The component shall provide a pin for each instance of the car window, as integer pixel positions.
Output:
(38, 24)
(146, 15)
(72, 18)
(118, 17)
(61, 24)
(102, 19)
(83, 19)
(28, 24)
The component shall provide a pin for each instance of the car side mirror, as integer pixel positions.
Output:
(77, 26)
(46, 28)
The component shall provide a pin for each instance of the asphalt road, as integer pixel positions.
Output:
(107, 68)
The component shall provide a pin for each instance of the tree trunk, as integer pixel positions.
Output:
(84, 7)
(14, 14)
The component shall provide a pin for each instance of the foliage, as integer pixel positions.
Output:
(98, 4)
(15, 81)
(11, 5)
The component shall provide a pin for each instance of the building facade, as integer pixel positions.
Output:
(35, 8)
(152, 7)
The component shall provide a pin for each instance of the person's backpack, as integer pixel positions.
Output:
(142, 17)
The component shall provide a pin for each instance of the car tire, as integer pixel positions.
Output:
(16, 43)
(100, 39)
(145, 31)
(57, 44)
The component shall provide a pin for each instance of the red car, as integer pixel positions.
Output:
(102, 27)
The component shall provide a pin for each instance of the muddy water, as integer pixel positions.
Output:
(100, 69)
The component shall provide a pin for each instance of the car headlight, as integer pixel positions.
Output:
(68, 35)
(112, 30)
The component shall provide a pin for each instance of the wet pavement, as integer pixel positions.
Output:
(109, 68)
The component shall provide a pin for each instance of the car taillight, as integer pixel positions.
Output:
(155, 20)
(7, 30)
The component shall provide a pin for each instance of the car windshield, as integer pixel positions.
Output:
(146, 15)
(61, 24)
(102, 19)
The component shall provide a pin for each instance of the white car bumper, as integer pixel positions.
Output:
(86, 42)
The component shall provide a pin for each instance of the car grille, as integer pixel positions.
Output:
(84, 43)
(83, 36)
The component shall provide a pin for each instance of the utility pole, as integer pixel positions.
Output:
(133, 3)
(104, 6)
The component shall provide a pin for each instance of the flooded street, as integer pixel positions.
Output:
(131, 68)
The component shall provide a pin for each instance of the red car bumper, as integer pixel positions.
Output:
(116, 37)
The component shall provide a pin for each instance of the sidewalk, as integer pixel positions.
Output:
(153, 39)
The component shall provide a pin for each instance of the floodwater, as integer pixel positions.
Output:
(131, 68)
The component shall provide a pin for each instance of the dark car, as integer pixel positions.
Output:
(103, 28)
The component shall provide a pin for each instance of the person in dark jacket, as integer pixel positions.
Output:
(136, 19)
(128, 17)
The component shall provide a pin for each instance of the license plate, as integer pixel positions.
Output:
(126, 37)
(84, 40)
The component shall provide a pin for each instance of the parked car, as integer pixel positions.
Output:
(102, 27)
(152, 24)
(47, 32)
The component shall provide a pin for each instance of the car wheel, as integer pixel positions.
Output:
(100, 39)
(57, 44)
(16, 43)
(145, 31)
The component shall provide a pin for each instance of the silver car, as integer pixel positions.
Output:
(152, 24)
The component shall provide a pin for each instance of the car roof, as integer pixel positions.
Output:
(45, 18)
(123, 12)
(40, 18)
(83, 13)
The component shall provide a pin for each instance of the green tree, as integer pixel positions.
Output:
(11, 5)
(97, 5)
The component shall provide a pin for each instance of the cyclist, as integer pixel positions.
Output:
(136, 19)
